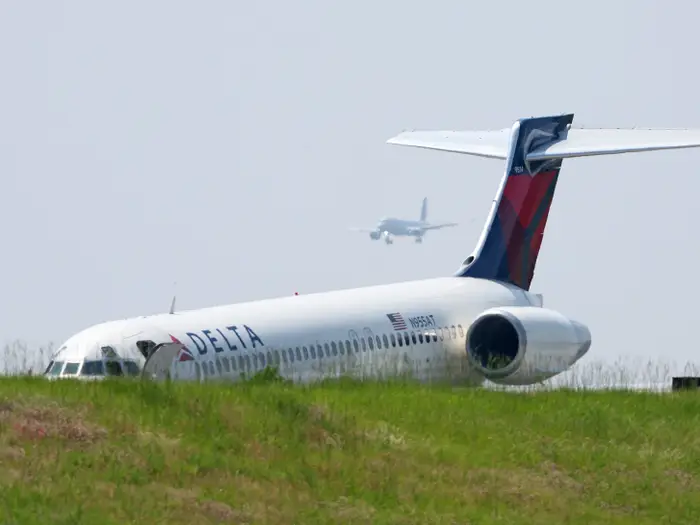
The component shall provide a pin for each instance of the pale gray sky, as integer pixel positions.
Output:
(228, 146)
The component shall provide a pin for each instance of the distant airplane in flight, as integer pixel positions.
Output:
(388, 227)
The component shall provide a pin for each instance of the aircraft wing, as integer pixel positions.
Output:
(576, 142)
(439, 226)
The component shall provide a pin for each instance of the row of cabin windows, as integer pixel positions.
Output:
(260, 360)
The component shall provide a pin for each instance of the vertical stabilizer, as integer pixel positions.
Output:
(424, 210)
(510, 242)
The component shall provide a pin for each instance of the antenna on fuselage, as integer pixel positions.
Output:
(172, 303)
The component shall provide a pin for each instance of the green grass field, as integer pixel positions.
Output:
(121, 452)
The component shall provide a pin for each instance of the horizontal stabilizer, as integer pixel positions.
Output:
(585, 142)
(492, 144)
(573, 142)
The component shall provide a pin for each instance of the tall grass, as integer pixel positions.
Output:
(19, 358)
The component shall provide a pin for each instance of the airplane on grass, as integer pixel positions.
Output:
(389, 227)
(482, 323)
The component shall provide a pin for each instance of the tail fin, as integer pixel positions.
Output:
(424, 210)
(533, 149)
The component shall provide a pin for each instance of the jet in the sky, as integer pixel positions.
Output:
(390, 227)
(481, 323)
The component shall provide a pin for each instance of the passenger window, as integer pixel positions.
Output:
(298, 354)
(241, 363)
(56, 369)
(227, 366)
(370, 342)
(198, 371)
(413, 337)
(205, 369)
(461, 331)
(442, 336)
(113, 368)
(341, 348)
(233, 364)
(312, 350)
(334, 348)
(364, 344)
(435, 336)
(348, 347)
(132, 369)
(319, 350)
(393, 340)
(269, 358)
(386, 341)
(247, 363)
(263, 363)
(447, 333)
(291, 355)
(356, 345)
(219, 367)
(305, 352)
(406, 339)
(379, 343)
(278, 359)
(454, 332)
(399, 339)
(420, 337)
(71, 369)
(92, 368)
(255, 361)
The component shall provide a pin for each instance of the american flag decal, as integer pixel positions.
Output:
(397, 321)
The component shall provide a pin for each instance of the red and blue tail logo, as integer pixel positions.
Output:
(185, 354)
(514, 234)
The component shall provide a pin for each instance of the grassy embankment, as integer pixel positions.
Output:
(129, 452)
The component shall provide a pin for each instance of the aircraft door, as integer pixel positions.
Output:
(162, 364)
(373, 366)
(358, 358)
(430, 354)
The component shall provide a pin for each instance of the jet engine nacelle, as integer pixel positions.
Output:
(374, 235)
(522, 345)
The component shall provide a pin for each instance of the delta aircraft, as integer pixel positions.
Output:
(390, 227)
(481, 323)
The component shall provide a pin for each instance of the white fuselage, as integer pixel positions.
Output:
(319, 335)
(401, 227)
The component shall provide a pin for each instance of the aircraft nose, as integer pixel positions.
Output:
(584, 338)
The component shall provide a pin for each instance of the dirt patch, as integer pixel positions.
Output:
(191, 499)
(222, 512)
(40, 420)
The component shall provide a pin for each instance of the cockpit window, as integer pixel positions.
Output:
(93, 368)
(114, 368)
(71, 369)
(132, 369)
(56, 368)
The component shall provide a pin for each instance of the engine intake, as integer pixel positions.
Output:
(521, 345)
